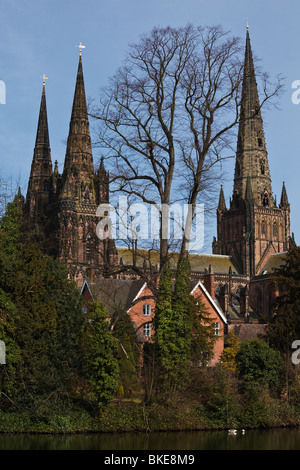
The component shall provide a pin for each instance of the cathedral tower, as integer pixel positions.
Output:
(253, 227)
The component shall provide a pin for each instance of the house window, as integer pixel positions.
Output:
(146, 309)
(147, 329)
(216, 328)
(84, 309)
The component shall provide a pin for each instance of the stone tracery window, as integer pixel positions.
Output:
(90, 247)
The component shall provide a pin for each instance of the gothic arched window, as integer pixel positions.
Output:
(263, 228)
(90, 247)
(275, 230)
(265, 199)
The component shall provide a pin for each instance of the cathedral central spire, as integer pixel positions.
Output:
(251, 167)
(253, 228)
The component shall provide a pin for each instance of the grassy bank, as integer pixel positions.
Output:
(136, 417)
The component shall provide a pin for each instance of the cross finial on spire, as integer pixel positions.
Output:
(44, 78)
(81, 46)
(247, 24)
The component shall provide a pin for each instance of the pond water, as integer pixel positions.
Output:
(278, 439)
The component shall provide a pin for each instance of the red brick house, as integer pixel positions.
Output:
(215, 314)
(135, 298)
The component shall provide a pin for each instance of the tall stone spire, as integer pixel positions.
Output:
(251, 167)
(78, 166)
(253, 228)
(41, 167)
(82, 190)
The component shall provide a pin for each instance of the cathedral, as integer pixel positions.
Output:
(253, 233)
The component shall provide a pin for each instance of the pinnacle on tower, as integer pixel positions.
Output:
(103, 182)
(284, 202)
(222, 204)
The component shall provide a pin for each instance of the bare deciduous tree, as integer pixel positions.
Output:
(169, 113)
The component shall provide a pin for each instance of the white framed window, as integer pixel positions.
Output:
(147, 329)
(84, 309)
(217, 328)
(146, 310)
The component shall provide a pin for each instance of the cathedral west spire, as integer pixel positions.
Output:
(41, 167)
(78, 166)
(81, 191)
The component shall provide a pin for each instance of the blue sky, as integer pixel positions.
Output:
(40, 36)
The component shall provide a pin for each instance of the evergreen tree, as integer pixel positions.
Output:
(203, 334)
(128, 354)
(172, 325)
(257, 363)
(40, 315)
(182, 308)
(101, 349)
(284, 327)
(164, 332)
(229, 354)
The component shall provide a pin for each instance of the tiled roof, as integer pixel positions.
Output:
(275, 261)
(116, 294)
(246, 331)
(199, 262)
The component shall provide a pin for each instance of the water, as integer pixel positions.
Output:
(278, 439)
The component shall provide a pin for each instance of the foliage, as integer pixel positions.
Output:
(258, 363)
(203, 334)
(165, 331)
(128, 354)
(101, 350)
(284, 326)
(182, 308)
(40, 317)
(229, 354)
(224, 403)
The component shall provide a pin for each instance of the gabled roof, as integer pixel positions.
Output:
(246, 331)
(275, 261)
(115, 294)
(213, 303)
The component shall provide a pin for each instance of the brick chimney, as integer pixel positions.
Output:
(209, 281)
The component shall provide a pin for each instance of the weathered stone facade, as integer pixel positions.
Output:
(70, 200)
